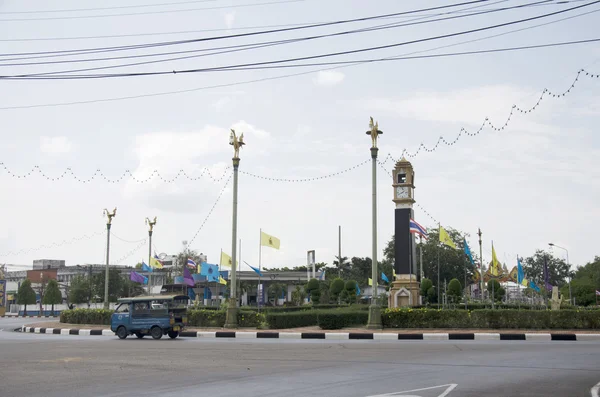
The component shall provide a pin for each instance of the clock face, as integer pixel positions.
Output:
(402, 192)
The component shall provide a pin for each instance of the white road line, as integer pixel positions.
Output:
(449, 388)
(595, 392)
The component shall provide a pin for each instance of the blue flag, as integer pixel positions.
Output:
(468, 252)
(145, 267)
(210, 271)
(384, 277)
(357, 289)
(255, 269)
(533, 286)
(520, 272)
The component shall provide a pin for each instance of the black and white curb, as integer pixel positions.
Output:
(338, 335)
(15, 316)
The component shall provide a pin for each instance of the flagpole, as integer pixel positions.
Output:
(420, 270)
(466, 304)
(518, 285)
(438, 264)
(238, 290)
(259, 269)
(493, 284)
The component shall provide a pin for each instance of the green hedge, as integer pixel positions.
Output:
(491, 319)
(86, 316)
(304, 318)
(342, 319)
(216, 318)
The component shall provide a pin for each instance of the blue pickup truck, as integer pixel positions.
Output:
(150, 315)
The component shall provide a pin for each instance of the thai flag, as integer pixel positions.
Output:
(418, 229)
(191, 264)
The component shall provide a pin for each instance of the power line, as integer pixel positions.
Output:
(559, 2)
(151, 12)
(54, 245)
(211, 209)
(319, 56)
(237, 47)
(373, 60)
(105, 8)
(212, 38)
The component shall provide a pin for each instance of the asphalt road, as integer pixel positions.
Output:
(55, 365)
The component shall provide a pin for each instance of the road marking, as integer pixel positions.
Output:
(449, 388)
(595, 390)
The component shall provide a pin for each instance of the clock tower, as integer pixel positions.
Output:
(405, 289)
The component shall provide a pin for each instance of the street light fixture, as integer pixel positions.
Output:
(568, 265)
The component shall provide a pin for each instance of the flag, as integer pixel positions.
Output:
(187, 277)
(495, 263)
(210, 271)
(155, 262)
(268, 240)
(370, 282)
(468, 252)
(445, 238)
(357, 289)
(384, 277)
(417, 229)
(520, 272)
(533, 286)
(222, 280)
(138, 278)
(145, 267)
(226, 260)
(191, 264)
(547, 274)
(322, 276)
(255, 269)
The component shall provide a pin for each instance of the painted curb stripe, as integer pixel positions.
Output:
(188, 334)
(360, 336)
(267, 335)
(313, 335)
(224, 334)
(439, 336)
(512, 337)
(57, 331)
(461, 336)
(290, 335)
(73, 332)
(96, 332)
(563, 337)
(410, 336)
(491, 336)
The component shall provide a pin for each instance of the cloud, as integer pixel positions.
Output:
(329, 78)
(200, 154)
(229, 19)
(55, 145)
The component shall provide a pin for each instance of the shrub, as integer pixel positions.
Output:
(336, 288)
(86, 316)
(292, 320)
(425, 318)
(250, 318)
(206, 318)
(425, 285)
(341, 319)
(455, 290)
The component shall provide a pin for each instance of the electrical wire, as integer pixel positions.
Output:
(276, 2)
(53, 245)
(249, 34)
(211, 209)
(106, 8)
(319, 56)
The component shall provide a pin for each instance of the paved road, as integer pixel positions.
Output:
(55, 365)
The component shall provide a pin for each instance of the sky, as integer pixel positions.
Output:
(536, 181)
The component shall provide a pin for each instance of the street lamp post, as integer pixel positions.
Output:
(374, 321)
(231, 320)
(150, 229)
(108, 224)
(568, 265)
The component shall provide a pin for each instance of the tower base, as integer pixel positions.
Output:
(405, 291)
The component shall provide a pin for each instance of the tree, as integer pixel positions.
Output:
(53, 295)
(432, 295)
(454, 290)
(298, 296)
(130, 288)
(583, 291)
(182, 258)
(313, 288)
(453, 262)
(336, 288)
(350, 289)
(558, 270)
(590, 272)
(275, 291)
(343, 268)
(115, 285)
(26, 295)
(499, 292)
(80, 290)
(425, 285)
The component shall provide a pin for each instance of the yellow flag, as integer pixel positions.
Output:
(445, 238)
(494, 268)
(155, 263)
(371, 282)
(222, 280)
(268, 240)
(226, 260)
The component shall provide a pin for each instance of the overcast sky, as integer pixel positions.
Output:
(534, 182)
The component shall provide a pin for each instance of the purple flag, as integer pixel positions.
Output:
(546, 274)
(187, 277)
(138, 278)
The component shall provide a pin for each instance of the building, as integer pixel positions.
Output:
(40, 264)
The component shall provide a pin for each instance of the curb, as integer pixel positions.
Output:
(336, 335)
(10, 316)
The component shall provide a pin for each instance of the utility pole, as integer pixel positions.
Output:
(481, 266)
(150, 229)
(374, 321)
(568, 266)
(108, 224)
(340, 250)
(231, 320)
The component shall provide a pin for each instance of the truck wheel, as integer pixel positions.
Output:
(173, 334)
(122, 332)
(156, 332)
